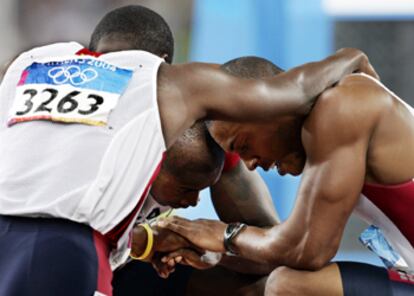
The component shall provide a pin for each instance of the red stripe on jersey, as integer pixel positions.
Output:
(401, 276)
(397, 203)
(115, 233)
(104, 280)
(85, 51)
(231, 160)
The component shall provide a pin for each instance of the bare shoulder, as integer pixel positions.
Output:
(180, 73)
(355, 93)
(348, 111)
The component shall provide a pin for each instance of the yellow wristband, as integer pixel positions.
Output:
(150, 243)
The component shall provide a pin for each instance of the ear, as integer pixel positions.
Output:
(164, 56)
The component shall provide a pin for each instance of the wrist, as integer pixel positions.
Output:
(143, 242)
(139, 240)
(231, 232)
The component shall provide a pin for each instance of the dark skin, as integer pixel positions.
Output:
(252, 204)
(238, 195)
(212, 94)
(190, 92)
(242, 195)
(195, 91)
(367, 149)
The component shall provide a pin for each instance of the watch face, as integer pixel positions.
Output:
(230, 228)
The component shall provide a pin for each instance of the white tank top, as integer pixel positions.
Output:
(80, 136)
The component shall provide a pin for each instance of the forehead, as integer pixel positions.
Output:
(191, 173)
(222, 130)
(224, 133)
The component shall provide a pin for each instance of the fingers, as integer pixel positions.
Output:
(164, 269)
(368, 69)
(187, 257)
(372, 72)
(177, 256)
(177, 224)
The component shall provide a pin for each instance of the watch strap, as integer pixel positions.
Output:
(231, 231)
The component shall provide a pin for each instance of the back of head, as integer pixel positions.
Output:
(144, 28)
(195, 154)
(251, 67)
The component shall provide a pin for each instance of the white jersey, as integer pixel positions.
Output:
(80, 137)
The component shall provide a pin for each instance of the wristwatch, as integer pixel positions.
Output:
(231, 231)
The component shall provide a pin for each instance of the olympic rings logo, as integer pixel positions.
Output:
(72, 74)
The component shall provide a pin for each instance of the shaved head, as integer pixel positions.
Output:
(195, 152)
(194, 162)
(251, 67)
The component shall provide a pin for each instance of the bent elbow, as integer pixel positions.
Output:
(315, 263)
(306, 93)
(315, 259)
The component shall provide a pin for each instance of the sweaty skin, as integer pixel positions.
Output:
(194, 91)
(190, 92)
(238, 195)
(349, 138)
(242, 195)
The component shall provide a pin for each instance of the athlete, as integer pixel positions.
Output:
(355, 151)
(83, 134)
(193, 163)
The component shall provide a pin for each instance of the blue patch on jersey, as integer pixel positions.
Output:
(81, 73)
(374, 239)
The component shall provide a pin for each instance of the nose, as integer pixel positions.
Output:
(252, 164)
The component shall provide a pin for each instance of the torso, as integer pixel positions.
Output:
(390, 158)
(74, 165)
(387, 198)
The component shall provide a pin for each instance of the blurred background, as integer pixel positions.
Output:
(287, 32)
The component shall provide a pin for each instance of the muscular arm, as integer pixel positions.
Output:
(189, 92)
(241, 195)
(336, 137)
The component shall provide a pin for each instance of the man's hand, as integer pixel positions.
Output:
(166, 267)
(165, 264)
(165, 241)
(364, 64)
(204, 234)
(193, 258)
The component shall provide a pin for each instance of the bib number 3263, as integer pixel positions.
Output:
(72, 91)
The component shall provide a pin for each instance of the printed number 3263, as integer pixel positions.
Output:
(66, 104)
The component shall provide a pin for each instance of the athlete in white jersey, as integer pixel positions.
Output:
(82, 136)
(359, 138)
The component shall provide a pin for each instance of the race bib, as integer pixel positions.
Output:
(79, 90)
